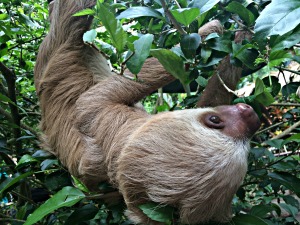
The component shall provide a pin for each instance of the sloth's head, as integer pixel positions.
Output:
(192, 159)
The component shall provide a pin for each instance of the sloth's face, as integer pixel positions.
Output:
(237, 121)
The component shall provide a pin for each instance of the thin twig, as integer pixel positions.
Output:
(269, 128)
(286, 69)
(242, 25)
(172, 18)
(24, 197)
(286, 104)
(287, 131)
(224, 85)
(110, 195)
(178, 5)
(12, 220)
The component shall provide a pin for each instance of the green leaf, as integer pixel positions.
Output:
(57, 180)
(276, 143)
(291, 200)
(186, 15)
(279, 42)
(285, 166)
(26, 20)
(261, 210)
(272, 83)
(245, 14)
(295, 137)
(287, 180)
(290, 88)
(205, 54)
(85, 12)
(90, 36)
(172, 63)
(139, 11)
(9, 182)
(41, 154)
(278, 57)
(3, 16)
(278, 18)
(6, 99)
(157, 212)
(201, 81)
(25, 160)
(292, 210)
(245, 53)
(259, 87)
(47, 163)
(114, 28)
(203, 5)
(248, 220)
(262, 95)
(82, 214)
(79, 184)
(212, 36)
(66, 197)
(222, 44)
(142, 48)
(213, 60)
(189, 45)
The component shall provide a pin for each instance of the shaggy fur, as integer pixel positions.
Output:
(184, 159)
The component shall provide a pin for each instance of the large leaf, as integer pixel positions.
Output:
(157, 212)
(248, 220)
(222, 43)
(292, 210)
(90, 36)
(262, 94)
(25, 160)
(10, 181)
(139, 11)
(4, 98)
(261, 210)
(185, 16)
(203, 5)
(290, 88)
(278, 42)
(287, 180)
(243, 12)
(85, 12)
(142, 48)
(278, 57)
(278, 18)
(245, 53)
(66, 197)
(114, 28)
(189, 44)
(84, 213)
(172, 63)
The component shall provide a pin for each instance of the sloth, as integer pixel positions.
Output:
(193, 159)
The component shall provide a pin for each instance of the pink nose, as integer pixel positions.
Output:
(245, 110)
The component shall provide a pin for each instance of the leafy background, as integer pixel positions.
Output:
(34, 186)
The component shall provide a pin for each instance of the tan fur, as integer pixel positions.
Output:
(90, 123)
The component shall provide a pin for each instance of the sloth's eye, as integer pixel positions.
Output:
(215, 119)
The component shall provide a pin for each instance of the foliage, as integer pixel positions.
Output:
(34, 182)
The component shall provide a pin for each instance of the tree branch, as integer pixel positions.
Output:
(10, 78)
